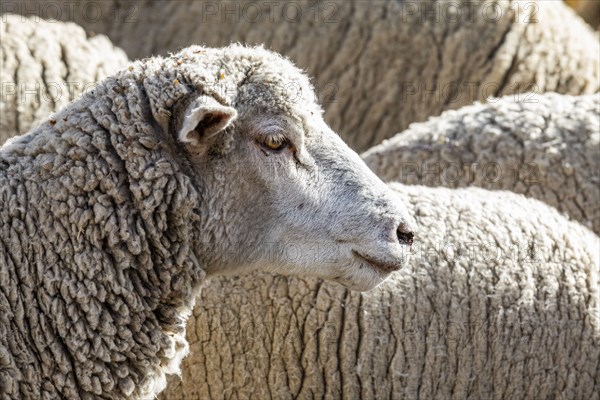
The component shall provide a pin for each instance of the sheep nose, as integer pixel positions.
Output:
(405, 235)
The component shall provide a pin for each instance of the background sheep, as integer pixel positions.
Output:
(114, 211)
(45, 65)
(499, 300)
(378, 65)
(544, 146)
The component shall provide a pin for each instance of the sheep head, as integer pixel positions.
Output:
(280, 190)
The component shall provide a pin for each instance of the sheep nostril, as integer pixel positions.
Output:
(405, 237)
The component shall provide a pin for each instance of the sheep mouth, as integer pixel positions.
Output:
(380, 265)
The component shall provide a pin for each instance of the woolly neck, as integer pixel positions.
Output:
(116, 279)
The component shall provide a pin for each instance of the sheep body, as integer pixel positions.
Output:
(545, 146)
(44, 66)
(499, 300)
(378, 65)
(86, 267)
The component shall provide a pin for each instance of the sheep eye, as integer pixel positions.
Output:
(275, 142)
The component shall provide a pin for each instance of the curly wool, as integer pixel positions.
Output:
(46, 64)
(96, 269)
(545, 146)
(500, 300)
(382, 65)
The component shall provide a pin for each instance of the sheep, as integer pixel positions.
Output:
(543, 146)
(45, 65)
(499, 301)
(115, 210)
(378, 65)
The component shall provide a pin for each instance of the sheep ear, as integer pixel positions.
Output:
(204, 118)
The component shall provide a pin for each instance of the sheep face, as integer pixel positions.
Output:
(283, 193)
